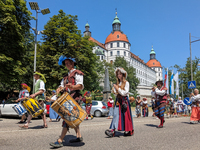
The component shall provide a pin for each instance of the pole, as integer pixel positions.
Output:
(35, 49)
(191, 58)
(182, 90)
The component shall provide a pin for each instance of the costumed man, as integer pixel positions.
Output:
(145, 108)
(110, 103)
(195, 115)
(52, 113)
(122, 118)
(39, 90)
(88, 103)
(180, 107)
(71, 83)
(160, 93)
(138, 102)
(23, 94)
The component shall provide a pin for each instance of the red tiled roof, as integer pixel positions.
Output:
(97, 42)
(153, 63)
(137, 58)
(116, 36)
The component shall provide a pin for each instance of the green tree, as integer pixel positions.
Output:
(62, 37)
(14, 29)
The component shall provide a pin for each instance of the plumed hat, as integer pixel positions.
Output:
(62, 59)
(121, 70)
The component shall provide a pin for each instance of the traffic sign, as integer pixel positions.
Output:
(187, 101)
(191, 84)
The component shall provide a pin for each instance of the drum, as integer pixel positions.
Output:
(68, 109)
(19, 109)
(33, 107)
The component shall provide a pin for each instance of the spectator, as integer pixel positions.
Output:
(110, 103)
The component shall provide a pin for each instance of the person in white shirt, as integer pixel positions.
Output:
(110, 103)
(122, 110)
(195, 98)
(179, 107)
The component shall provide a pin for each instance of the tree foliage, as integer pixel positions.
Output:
(62, 37)
(14, 33)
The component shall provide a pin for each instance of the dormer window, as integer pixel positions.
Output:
(117, 36)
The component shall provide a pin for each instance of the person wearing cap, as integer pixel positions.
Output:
(52, 113)
(195, 115)
(180, 107)
(88, 103)
(122, 118)
(145, 108)
(138, 102)
(39, 90)
(23, 94)
(160, 93)
(110, 103)
(72, 83)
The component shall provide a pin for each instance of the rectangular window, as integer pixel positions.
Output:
(111, 45)
(124, 53)
(101, 57)
(117, 53)
(124, 45)
(111, 53)
(117, 44)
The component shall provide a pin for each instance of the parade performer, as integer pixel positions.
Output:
(138, 102)
(110, 103)
(180, 107)
(23, 94)
(145, 108)
(39, 90)
(195, 98)
(52, 113)
(71, 83)
(88, 103)
(168, 103)
(160, 93)
(122, 119)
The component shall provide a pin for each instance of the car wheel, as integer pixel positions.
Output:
(97, 113)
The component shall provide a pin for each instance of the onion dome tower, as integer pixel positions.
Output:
(87, 32)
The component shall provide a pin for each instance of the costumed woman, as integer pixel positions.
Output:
(24, 93)
(88, 104)
(122, 118)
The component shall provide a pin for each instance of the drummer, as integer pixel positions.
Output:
(23, 94)
(39, 90)
(72, 83)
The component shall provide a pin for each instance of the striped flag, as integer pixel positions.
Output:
(166, 81)
(171, 86)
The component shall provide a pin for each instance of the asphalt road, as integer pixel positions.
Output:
(177, 134)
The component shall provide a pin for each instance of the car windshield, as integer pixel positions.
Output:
(94, 103)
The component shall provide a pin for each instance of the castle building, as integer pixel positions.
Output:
(117, 44)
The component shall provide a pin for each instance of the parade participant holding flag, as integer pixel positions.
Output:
(195, 98)
(72, 83)
(122, 118)
(160, 93)
(39, 90)
(24, 93)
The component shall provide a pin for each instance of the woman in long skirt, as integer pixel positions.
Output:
(122, 118)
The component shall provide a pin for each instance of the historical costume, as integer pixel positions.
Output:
(88, 104)
(160, 93)
(145, 108)
(39, 90)
(72, 83)
(195, 115)
(23, 94)
(138, 102)
(122, 118)
(153, 105)
(110, 103)
(180, 106)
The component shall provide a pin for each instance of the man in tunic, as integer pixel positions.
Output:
(160, 93)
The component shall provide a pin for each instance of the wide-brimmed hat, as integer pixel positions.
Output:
(122, 71)
(62, 59)
(54, 91)
(144, 99)
(159, 81)
(110, 97)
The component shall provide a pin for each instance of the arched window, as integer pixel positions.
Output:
(111, 61)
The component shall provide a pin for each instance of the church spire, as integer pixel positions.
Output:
(116, 24)
(152, 54)
(87, 32)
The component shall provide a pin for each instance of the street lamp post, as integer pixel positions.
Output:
(34, 6)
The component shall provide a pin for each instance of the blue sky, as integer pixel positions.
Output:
(165, 24)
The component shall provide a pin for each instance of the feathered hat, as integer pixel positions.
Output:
(62, 58)
(121, 70)
(26, 86)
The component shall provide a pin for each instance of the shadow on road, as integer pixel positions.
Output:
(117, 134)
(186, 122)
(150, 125)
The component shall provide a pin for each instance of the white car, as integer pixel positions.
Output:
(7, 109)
